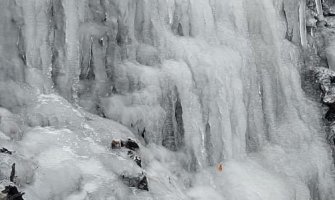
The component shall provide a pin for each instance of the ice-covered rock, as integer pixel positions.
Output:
(10, 124)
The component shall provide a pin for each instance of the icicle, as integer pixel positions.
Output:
(319, 9)
(72, 47)
(37, 51)
(302, 22)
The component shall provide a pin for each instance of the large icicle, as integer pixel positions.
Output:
(302, 22)
(38, 52)
(72, 68)
(319, 9)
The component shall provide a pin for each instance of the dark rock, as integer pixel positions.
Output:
(4, 150)
(139, 182)
(143, 133)
(12, 174)
(143, 184)
(330, 115)
(328, 13)
(12, 193)
(130, 144)
(326, 77)
(136, 158)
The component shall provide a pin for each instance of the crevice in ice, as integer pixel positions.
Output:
(263, 103)
(180, 30)
(87, 72)
(121, 34)
(179, 120)
(181, 24)
(21, 47)
(173, 128)
(208, 145)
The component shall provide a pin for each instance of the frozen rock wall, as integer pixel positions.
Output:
(211, 81)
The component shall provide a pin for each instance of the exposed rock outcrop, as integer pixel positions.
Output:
(320, 60)
(139, 181)
(129, 144)
(11, 193)
(4, 150)
(326, 79)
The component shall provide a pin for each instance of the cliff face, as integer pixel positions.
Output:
(211, 81)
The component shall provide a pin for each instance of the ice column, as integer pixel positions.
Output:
(72, 68)
(38, 52)
(319, 9)
(302, 22)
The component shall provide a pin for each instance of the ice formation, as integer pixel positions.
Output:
(195, 82)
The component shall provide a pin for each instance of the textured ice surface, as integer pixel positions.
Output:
(209, 82)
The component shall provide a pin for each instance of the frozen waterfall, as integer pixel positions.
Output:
(195, 82)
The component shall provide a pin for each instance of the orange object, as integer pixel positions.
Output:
(116, 144)
(220, 167)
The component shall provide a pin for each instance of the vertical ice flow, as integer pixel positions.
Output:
(71, 68)
(209, 82)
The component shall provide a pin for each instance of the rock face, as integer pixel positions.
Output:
(195, 82)
(139, 182)
(325, 78)
(4, 150)
(321, 63)
(7, 188)
(12, 193)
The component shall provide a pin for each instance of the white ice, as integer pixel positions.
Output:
(236, 76)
